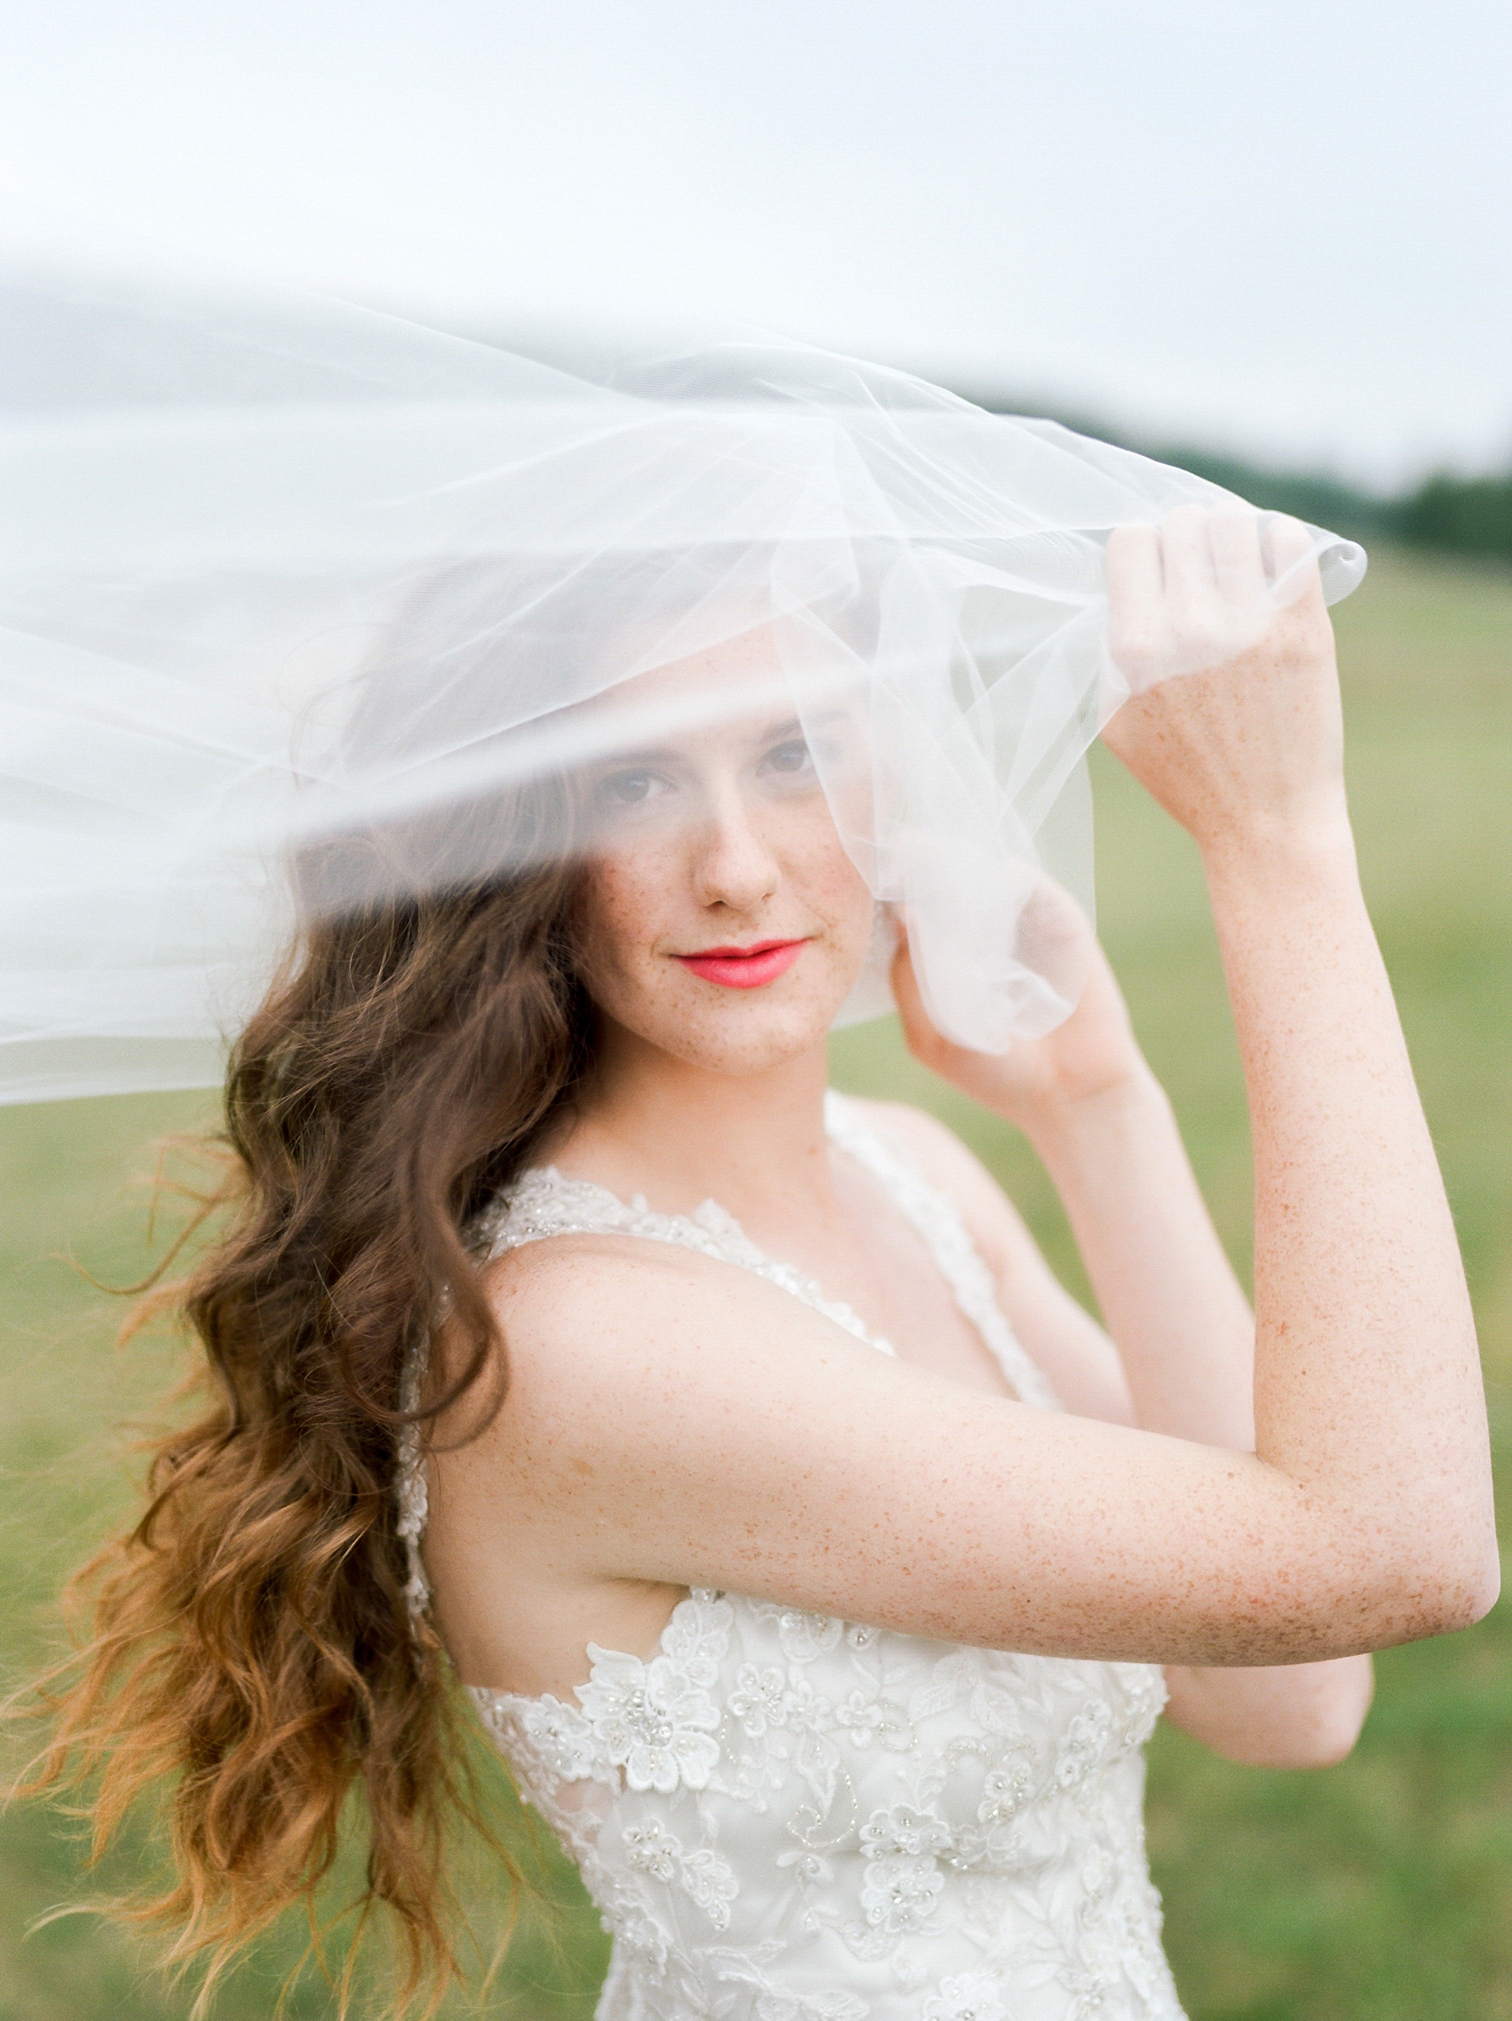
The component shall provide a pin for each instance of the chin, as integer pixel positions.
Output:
(739, 1033)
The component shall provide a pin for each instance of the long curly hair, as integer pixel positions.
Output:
(247, 1638)
(250, 1637)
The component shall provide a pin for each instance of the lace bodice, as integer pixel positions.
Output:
(783, 1817)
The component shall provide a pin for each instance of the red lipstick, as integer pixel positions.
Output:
(744, 967)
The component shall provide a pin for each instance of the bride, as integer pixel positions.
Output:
(818, 1564)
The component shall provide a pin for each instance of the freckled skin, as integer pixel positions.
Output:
(1273, 1495)
(705, 882)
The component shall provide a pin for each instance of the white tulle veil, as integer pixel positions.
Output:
(305, 609)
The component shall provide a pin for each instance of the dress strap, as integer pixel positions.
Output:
(539, 1204)
(937, 1221)
(543, 1202)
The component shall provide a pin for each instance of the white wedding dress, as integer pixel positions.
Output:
(783, 1817)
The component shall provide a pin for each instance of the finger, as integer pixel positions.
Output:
(1191, 581)
(918, 1027)
(1133, 564)
(1238, 557)
(905, 984)
(1293, 561)
(1136, 599)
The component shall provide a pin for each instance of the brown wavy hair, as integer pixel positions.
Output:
(247, 1638)
(247, 1642)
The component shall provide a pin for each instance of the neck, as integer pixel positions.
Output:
(683, 1134)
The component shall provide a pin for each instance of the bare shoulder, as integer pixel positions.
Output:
(574, 1302)
(605, 1333)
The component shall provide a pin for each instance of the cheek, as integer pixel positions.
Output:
(631, 904)
(619, 916)
(834, 886)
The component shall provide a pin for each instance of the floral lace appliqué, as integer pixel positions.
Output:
(967, 1996)
(787, 1817)
(656, 1720)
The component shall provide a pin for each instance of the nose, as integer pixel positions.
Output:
(732, 863)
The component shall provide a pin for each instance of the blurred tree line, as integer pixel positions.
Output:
(1446, 514)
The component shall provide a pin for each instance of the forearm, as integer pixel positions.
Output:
(1186, 1338)
(1168, 1294)
(1367, 1381)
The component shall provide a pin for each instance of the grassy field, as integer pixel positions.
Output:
(1379, 1891)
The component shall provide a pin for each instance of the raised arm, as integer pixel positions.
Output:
(1361, 1307)
(1249, 759)
(733, 1438)
(1087, 1100)
(1186, 1337)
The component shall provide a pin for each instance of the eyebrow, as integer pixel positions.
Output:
(793, 726)
(789, 726)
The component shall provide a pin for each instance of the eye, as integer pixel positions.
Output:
(789, 758)
(631, 788)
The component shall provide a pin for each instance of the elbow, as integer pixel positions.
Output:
(1484, 1593)
(1326, 1716)
(1323, 1745)
(1325, 1755)
(1457, 1597)
(1330, 1737)
(1394, 1588)
(1321, 1751)
(1323, 1729)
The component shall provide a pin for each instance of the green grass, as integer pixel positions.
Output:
(1378, 1891)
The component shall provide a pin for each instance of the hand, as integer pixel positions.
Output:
(1037, 1081)
(1250, 751)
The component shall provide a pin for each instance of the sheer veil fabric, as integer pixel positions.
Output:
(306, 608)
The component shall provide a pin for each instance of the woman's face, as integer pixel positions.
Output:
(721, 920)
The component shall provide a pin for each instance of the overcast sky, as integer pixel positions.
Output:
(1285, 227)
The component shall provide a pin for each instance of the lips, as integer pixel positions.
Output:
(744, 967)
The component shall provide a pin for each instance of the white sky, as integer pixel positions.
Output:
(1284, 227)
